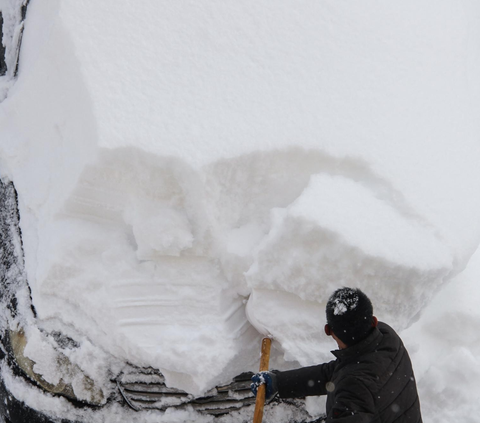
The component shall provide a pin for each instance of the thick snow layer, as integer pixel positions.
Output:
(178, 164)
(323, 240)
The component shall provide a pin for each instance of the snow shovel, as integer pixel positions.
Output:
(260, 402)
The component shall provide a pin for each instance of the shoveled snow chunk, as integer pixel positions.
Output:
(340, 232)
(369, 221)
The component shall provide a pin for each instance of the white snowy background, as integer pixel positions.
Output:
(178, 161)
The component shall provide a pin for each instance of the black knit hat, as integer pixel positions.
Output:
(349, 315)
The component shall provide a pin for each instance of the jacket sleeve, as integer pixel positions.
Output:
(305, 381)
(353, 403)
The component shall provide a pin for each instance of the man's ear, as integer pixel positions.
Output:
(328, 330)
(374, 322)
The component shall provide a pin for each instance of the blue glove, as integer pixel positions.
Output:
(270, 381)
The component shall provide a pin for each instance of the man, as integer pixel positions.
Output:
(371, 379)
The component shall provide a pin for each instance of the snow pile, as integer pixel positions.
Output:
(175, 163)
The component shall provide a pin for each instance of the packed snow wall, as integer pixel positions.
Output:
(175, 161)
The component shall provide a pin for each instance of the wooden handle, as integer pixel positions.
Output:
(260, 402)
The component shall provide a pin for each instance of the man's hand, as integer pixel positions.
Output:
(270, 381)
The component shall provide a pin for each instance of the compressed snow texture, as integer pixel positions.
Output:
(173, 160)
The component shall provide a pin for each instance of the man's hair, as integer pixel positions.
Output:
(349, 315)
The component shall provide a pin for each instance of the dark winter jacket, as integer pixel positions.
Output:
(370, 382)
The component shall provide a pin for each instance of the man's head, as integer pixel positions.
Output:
(349, 316)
